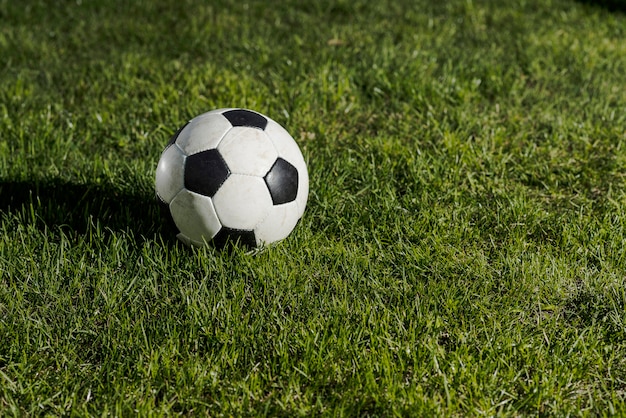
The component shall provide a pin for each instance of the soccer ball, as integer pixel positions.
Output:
(232, 175)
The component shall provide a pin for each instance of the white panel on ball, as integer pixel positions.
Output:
(169, 176)
(203, 132)
(247, 151)
(303, 188)
(195, 216)
(285, 144)
(242, 201)
(278, 224)
(188, 241)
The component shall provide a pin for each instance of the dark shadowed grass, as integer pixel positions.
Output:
(611, 5)
(462, 251)
(55, 203)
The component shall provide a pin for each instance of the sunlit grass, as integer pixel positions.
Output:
(462, 252)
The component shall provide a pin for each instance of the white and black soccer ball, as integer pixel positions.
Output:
(232, 174)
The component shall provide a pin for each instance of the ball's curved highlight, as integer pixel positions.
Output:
(232, 175)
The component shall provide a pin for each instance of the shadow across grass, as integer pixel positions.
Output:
(55, 202)
(610, 5)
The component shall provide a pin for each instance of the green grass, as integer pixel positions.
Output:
(462, 253)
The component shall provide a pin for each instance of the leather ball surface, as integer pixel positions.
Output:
(232, 175)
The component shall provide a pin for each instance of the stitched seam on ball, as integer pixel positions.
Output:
(248, 175)
(224, 135)
(267, 215)
(270, 138)
(182, 151)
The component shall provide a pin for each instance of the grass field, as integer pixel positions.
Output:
(463, 252)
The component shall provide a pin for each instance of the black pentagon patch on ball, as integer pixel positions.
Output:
(205, 172)
(242, 117)
(282, 181)
(229, 236)
(175, 136)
